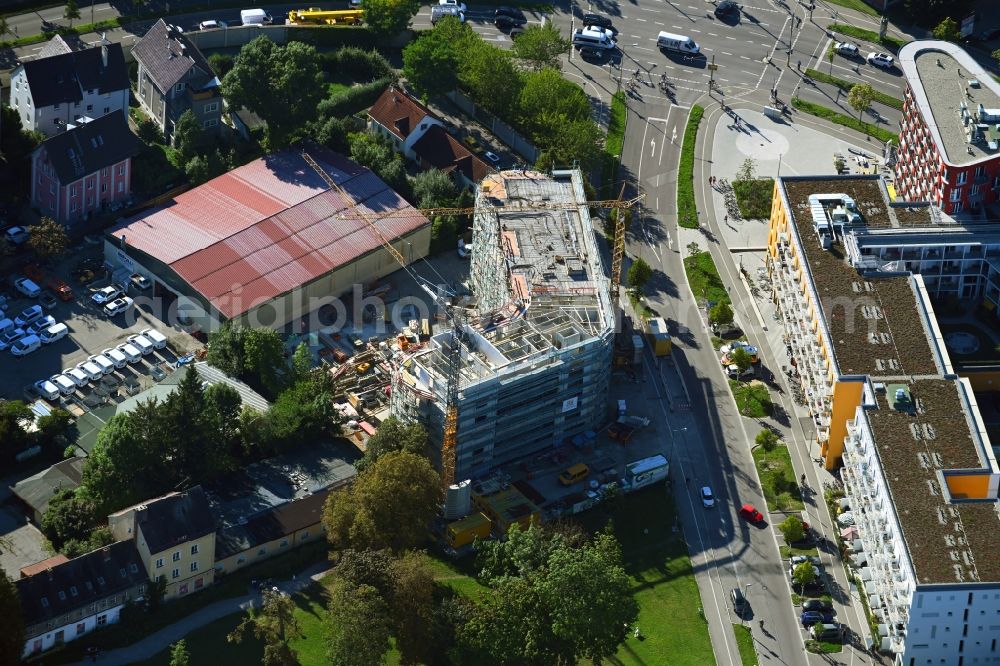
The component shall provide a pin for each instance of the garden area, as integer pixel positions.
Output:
(777, 479)
(752, 399)
(754, 197)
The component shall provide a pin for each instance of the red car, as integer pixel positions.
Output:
(62, 290)
(748, 512)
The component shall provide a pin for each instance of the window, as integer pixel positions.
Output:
(80, 628)
(90, 184)
(199, 583)
(210, 123)
(284, 543)
(194, 549)
(133, 567)
(177, 556)
(73, 591)
(90, 203)
(104, 188)
(121, 572)
(210, 108)
(961, 177)
(183, 589)
(176, 573)
(980, 171)
(956, 207)
(956, 194)
(159, 563)
(107, 110)
(121, 169)
(105, 172)
(262, 551)
(121, 187)
(179, 87)
(241, 559)
(90, 107)
(73, 208)
(73, 191)
(45, 602)
(194, 566)
(974, 190)
(102, 620)
(62, 595)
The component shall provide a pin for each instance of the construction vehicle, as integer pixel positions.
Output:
(315, 15)
(459, 335)
(659, 338)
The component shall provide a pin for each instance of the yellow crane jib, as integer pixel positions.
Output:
(316, 15)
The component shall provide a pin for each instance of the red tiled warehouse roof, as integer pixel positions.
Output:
(268, 227)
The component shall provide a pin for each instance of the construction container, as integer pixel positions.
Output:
(458, 500)
(465, 531)
(638, 346)
(659, 339)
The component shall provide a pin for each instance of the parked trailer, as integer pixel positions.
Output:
(326, 17)
(645, 472)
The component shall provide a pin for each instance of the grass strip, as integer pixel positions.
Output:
(752, 399)
(777, 479)
(845, 85)
(613, 144)
(891, 43)
(687, 212)
(703, 276)
(821, 111)
(856, 5)
(744, 641)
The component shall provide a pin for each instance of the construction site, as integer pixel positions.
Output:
(536, 335)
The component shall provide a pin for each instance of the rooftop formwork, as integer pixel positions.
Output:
(538, 340)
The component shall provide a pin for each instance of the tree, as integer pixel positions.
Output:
(220, 63)
(203, 168)
(412, 608)
(125, 465)
(747, 170)
(388, 18)
(366, 567)
(71, 11)
(639, 273)
(281, 84)
(71, 516)
(861, 97)
(179, 654)
(947, 30)
(358, 625)
(12, 636)
(378, 154)
(767, 439)
(547, 101)
(490, 76)
(47, 238)
(831, 54)
(256, 355)
(721, 314)
(189, 137)
(804, 574)
(275, 624)
(792, 529)
(575, 141)
(390, 505)
(553, 601)
(393, 436)
(540, 46)
(4, 27)
(741, 358)
(928, 12)
(431, 64)
(302, 363)
(15, 417)
(434, 188)
(302, 413)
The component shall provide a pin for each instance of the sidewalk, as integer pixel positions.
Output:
(146, 648)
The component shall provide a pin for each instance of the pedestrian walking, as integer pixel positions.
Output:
(725, 218)
(798, 65)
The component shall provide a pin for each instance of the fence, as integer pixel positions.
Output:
(497, 127)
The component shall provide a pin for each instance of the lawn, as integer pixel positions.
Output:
(687, 212)
(787, 551)
(704, 278)
(845, 85)
(754, 197)
(781, 489)
(853, 123)
(824, 647)
(333, 88)
(613, 144)
(752, 399)
(744, 640)
(858, 5)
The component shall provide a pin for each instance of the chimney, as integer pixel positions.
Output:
(104, 50)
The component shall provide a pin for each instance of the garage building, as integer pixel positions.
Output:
(268, 242)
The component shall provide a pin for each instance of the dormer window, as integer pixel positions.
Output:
(179, 87)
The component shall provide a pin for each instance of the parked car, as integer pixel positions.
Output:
(47, 389)
(817, 605)
(106, 365)
(62, 290)
(10, 337)
(116, 356)
(27, 287)
(211, 24)
(77, 376)
(131, 352)
(512, 12)
(796, 560)
(40, 324)
(16, 235)
(102, 296)
(65, 384)
(26, 345)
(28, 315)
(158, 339)
(140, 281)
(118, 306)
(142, 343)
(591, 54)
(48, 300)
(53, 333)
(809, 618)
(460, 6)
(883, 60)
(846, 49)
(739, 601)
(492, 157)
(597, 20)
(707, 498)
(749, 513)
(91, 369)
(825, 631)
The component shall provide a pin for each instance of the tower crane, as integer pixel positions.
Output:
(454, 350)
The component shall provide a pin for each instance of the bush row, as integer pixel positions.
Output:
(821, 111)
(687, 212)
(845, 85)
(353, 100)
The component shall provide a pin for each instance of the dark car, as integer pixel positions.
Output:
(591, 54)
(817, 605)
(503, 22)
(809, 618)
(511, 12)
(726, 7)
(599, 21)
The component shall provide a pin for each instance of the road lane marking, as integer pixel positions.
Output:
(713, 34)
(732, 38)
(641, 19)
(725, 53)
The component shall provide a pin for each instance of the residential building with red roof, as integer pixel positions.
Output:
(269, 242)
(422, 138)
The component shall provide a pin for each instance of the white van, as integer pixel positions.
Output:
(668, 41)
(47, 389)
(131, 352)
(158, 339)
(65, 385)
(53, 333)
(597, 38)
(6, 325)
(141, 343)
(255, 17)
(25, 345)
(115, 356)
(27, 287)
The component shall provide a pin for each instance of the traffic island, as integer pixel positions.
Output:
(687, 212)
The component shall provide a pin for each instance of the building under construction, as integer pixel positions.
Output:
(537, 343)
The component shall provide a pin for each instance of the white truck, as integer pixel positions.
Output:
(669, 41)
(645, 472)
(255, 17)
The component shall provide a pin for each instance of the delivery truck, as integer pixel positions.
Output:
(255, 17)
(644, 472)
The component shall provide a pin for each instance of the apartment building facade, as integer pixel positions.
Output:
(949, 152)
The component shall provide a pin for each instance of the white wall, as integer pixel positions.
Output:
(954, 625)
(48, 639)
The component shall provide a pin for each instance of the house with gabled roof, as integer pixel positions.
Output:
(173, 77)
(50, 92)
(86, 169)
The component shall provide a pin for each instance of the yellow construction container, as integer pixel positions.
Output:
(659, 339)
(466, 530)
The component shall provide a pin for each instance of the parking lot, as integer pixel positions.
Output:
(90, 332)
